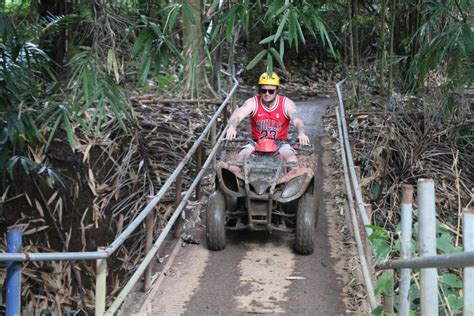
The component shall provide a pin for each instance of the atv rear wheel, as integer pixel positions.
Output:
(305, 224)
(215, 221)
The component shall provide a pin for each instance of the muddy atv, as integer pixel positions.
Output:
(263, 193)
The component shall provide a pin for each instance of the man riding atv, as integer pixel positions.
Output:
(270, 114)
(267, 185)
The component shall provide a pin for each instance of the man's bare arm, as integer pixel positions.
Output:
(239, 114)
(296, 121)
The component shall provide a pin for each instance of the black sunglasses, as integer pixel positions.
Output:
(270, 91)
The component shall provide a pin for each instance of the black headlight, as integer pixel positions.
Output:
(293, 187)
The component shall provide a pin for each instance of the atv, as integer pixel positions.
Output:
(263, 193)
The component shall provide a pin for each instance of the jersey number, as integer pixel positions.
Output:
(268, 134)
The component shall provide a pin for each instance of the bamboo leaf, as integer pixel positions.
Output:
(300, 32)
(11, 165)
(69, 130)
(278, 58)
(172, 17)
(281, 26)
(35, 230)
(282, 48)
(156, 29)
(39, 208)
(25, 165)
(292, 33)
(145, 69)
(256, 59)
(230, 21)
(52, 132)
(283, 8)
(269, 64)
(267, 39)
(140, 42)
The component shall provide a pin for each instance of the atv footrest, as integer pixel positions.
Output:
(259, 221)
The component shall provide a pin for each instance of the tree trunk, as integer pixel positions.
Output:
(195, 78)
(351, 52)
(98, 7)
(393, 12)
(382, 47)
(55, 45)
(356, 46)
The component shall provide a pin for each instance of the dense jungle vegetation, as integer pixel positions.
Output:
(68, 70)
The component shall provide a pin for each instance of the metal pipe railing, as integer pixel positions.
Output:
(428, 261)
(104, 252)
(100, 286)
(451, 260)
(350, 161)
(108, 251)
(13, 281)
(355, 224)
(468, 244)
(427, 246)
(406, 235)
(137, 274)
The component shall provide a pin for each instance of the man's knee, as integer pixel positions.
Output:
(245, 152)
(289, 156)
(288, 153)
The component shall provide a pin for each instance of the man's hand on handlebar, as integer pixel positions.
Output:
(303, 139)
(231, 133)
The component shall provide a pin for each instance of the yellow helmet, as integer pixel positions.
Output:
(265, 79)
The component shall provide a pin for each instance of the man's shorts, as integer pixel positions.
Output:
(284, 149)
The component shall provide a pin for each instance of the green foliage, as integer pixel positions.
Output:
(22, 66)
(32, 111)
(153, 46)
(93, 89)
(289, 23)
(450, 283)
(15, 6)
(449, 43)
(384, 283)
(380, 240)
(29, 167)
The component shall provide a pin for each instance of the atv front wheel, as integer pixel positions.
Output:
(215, 221)
(305, 225)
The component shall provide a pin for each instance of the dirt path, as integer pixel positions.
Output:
(259, 272)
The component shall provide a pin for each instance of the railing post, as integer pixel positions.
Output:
(427, 246)
(13, 283)
(149, 223)
(468, 244)
(100, 285)
(406, 234)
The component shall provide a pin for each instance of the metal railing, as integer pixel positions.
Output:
(15, 258)
(428, 261)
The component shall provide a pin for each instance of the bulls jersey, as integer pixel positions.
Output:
(270, 123)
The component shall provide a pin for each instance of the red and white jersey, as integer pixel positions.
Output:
(270, 123)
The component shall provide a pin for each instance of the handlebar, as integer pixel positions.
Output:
(239, 142)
